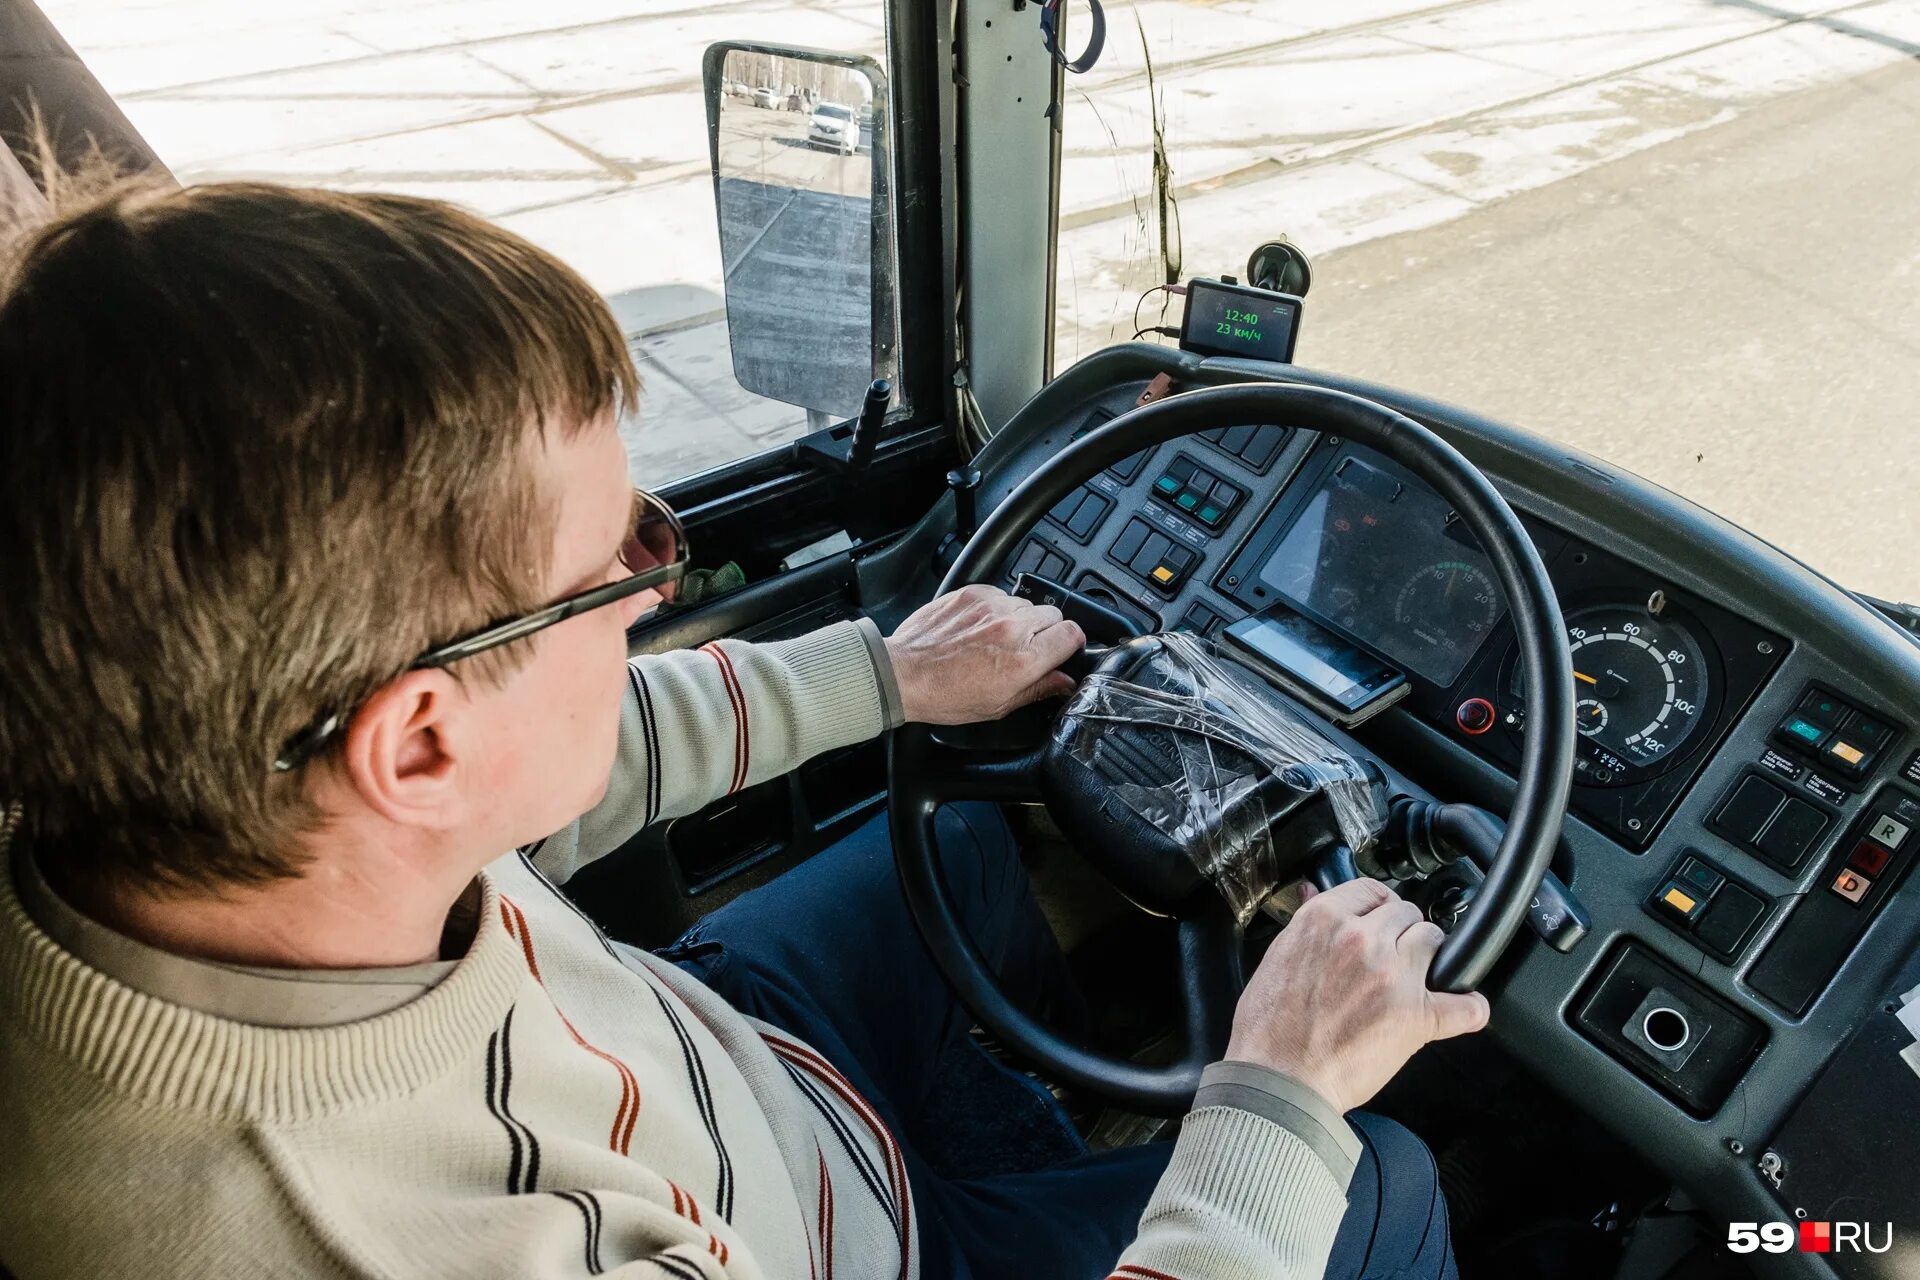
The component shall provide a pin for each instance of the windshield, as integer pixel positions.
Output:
(833, 112)
(581, 125)
(1678, 234)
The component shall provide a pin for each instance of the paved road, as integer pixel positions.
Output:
(1735, 315)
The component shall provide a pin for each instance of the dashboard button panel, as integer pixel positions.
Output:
(1257, 447)
(1081, 513)
(1700, 900)
(1154, 557)
(1746, 813)
(1835, 734)
(1821, 933)
(1792, 833)
(1197, 493)
(1762, 816)
(1730, 920)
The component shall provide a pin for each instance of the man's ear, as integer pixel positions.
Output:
(402, 752)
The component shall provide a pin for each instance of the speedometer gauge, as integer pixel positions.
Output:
(1442, 612)
(1641, 682)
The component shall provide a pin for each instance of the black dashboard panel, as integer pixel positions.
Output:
(1765, 827)
(1364, 547)
(1709, 666)
(1185, 538)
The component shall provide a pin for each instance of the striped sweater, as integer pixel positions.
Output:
(553, 1105)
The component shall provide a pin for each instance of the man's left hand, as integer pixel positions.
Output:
(977, 653)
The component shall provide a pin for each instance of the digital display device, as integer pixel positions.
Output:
(1341, 672)
(1382, 558)
(1234, 320)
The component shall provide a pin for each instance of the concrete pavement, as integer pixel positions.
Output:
(1734, 314)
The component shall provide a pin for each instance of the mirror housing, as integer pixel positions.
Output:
(803, 194)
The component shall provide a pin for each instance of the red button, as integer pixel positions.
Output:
(1869, 858)
(1474, 716)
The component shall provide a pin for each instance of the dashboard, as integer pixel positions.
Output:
(1200, 533)
(1746, 806)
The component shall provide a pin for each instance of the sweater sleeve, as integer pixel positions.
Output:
(701, 724)
(1256, 1187)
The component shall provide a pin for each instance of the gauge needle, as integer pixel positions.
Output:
(1581, 675)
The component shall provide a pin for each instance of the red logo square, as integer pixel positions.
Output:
(1816, 1237)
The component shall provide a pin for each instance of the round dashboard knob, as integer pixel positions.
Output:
(1474, 716)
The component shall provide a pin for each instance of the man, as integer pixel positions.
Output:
(317, 556)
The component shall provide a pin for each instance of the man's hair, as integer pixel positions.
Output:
(259, 448)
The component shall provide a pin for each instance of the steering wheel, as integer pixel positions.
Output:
(926, 773)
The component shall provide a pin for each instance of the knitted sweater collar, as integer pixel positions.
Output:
(163, 1054)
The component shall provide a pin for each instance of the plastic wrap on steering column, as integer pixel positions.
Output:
(1231, 745)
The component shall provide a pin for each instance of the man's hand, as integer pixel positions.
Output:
(1340, 1000)
(977, 653)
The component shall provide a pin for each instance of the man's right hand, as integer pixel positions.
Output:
(1340, 1000)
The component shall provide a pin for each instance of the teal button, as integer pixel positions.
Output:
(1805, 730)
(1188, 500)
(1210, 514)
(1167, 484)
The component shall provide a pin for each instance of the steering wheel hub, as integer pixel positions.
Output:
(1179, 776)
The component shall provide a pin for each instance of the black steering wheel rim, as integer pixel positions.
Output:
(1547, 749)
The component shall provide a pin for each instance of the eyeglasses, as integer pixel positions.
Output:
(656, 553)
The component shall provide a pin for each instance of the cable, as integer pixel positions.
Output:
(1172, 291)
(1164, 330)
(1096, 35)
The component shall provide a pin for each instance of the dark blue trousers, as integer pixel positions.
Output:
(1002, 1184)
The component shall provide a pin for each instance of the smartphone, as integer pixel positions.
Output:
(1333, 675)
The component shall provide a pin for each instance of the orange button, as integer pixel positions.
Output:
(1851, 885)
(1847, 751)
(1163, 574)
(1678, 900)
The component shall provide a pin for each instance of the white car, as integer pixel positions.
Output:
(834, 127)
(765, 98)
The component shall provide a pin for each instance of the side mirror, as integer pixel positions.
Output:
(802, 189)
